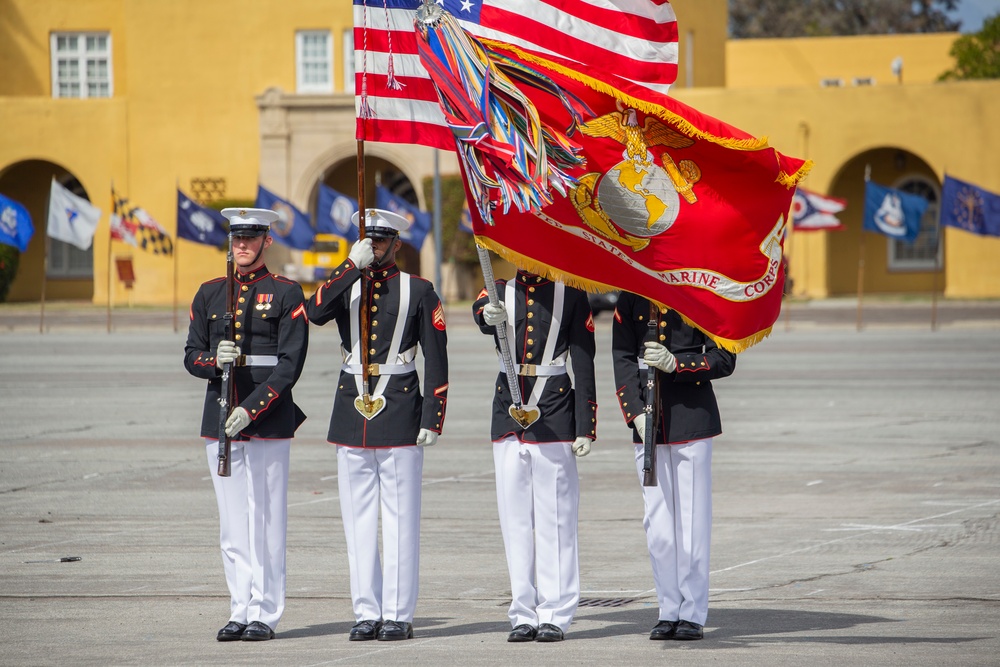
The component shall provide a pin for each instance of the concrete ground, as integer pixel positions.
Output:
(857, 498)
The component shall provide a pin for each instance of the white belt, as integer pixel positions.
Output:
(536, 370)
(257, 360)
(375, 370)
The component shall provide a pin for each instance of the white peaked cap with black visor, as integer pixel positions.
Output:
(382, 224)
(249, 221)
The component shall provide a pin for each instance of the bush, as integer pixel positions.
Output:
(455, 244)
(9, 260)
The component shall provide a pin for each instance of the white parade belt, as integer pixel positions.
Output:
(256, 360)
(536, 370)
(378, 370)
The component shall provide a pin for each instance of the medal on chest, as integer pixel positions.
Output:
(264, 301)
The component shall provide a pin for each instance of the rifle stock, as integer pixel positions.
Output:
(651, 409)
(227, 390)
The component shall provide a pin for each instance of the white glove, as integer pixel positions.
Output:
(226, 353)
(494, 314)
(362, 254)
(426, 438)
(237, 421)
(640, 425)
(659, 357)
(581, 446)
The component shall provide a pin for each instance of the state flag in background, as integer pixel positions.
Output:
(970, 207)
(199, 224)
(292, 227)
(892, 212)
(421, 220)
(133, 225)
(816, 212)
(15, 224)
(72, 219)
(636, 39)
(465, 219)
(333, 213)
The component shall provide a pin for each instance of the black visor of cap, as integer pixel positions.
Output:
(248, 230)
(380, 232)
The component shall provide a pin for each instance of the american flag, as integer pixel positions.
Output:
(633, 39)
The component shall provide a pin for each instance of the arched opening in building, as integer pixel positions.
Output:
(68, 270)
(890, 266)
(343, 177)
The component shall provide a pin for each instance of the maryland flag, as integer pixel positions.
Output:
(135, 226)
(647, 195)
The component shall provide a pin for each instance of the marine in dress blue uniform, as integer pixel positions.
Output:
(538, 493)
(380, 442)
(268, 353)
(678, 510)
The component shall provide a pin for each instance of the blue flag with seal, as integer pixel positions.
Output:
(199, 224)
(333, 213)
(893, 212)
(421, 221)
(292, 227)
(15, 224)
(970, 207)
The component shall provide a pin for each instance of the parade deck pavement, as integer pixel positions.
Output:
(856, 494)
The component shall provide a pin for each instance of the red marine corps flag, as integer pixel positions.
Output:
(647, 195)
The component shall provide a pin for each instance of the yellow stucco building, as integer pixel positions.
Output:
(217, 97)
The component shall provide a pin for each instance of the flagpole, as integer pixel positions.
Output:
(177, 183)
(937, 271)
(176, 250)
(45, 272)
(109, 253)
(861, 255)
(45, 260)
(437, 223)
(363, 310)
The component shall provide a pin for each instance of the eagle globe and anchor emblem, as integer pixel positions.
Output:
(637, 198)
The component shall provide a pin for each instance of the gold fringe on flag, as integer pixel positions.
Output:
(573, 280)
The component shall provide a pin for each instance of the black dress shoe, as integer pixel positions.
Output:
(549, 633)
(392, 631)
(365, 631)
(664, 630)
(257, 632)
(522, 633)
(687, 631)
(232, 632)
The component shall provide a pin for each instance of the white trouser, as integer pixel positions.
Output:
(678, 523)
(538, 498)
(253, 513)
(389, 477)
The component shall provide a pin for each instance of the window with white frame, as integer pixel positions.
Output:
(68, 261)
(313, 61)
(924, 254)
(349, 68)
(81, 64)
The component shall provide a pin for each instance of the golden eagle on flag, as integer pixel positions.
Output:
(637, 192)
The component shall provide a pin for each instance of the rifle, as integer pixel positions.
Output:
(228, 390)
(652, 407)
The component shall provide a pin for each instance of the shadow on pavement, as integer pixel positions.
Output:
(759, 626)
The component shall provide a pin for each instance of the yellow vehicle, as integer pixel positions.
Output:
(328, 251)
